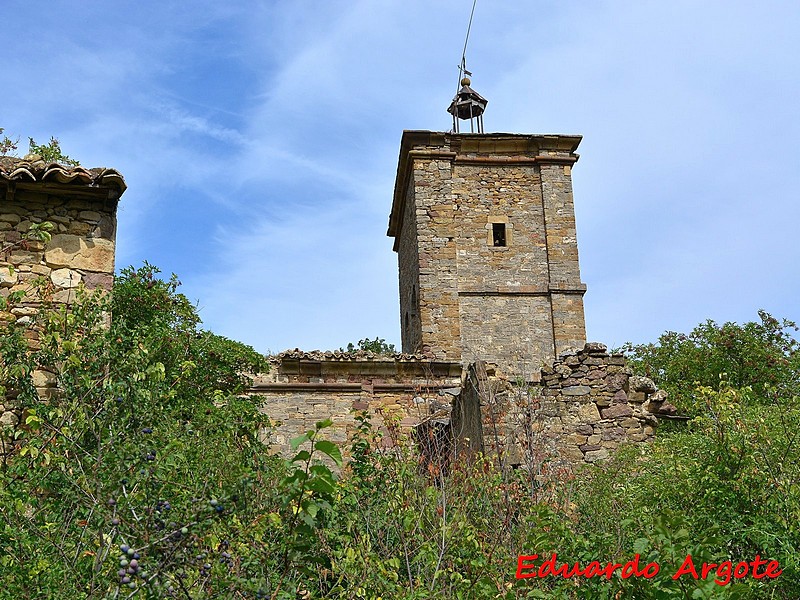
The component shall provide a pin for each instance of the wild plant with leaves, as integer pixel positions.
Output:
(145, 445)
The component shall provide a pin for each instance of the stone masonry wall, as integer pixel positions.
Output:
(409, 272)
(434, 220)
(81, 206)
(398, 392)
(586, 405)
(564, 281)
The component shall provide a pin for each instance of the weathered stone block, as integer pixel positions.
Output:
(103, 281)
(595, 347)
(571, 453)
(594, 361)
(66, 250)
(596, 455)
(589, 447)
(65, 278)
(43, 379)
(8, 419)
(11, 218)
(620, 397)
(617, 410)
(641, 384)
(616, 381)
(89, 215)
(586, 414)
(7, 277)
(576, 390)
(577, 439)
(613, 433)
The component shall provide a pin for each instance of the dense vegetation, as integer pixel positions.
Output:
(145, 477)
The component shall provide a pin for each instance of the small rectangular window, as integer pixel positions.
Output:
(498, 234)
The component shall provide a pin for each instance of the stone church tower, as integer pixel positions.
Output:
(484, 228)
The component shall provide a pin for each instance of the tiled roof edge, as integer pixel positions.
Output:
(33, 169)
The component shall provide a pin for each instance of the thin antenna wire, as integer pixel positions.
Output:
(462, 68)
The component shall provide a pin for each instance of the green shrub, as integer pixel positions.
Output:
(764, 356)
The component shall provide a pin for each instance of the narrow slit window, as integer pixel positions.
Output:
(498, 234)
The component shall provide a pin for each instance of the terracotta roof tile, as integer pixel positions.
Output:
(355, 356)
(32, 169)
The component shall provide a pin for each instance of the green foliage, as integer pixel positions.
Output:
(376, 346)
(727, 488)
(763, 355)
(40, 232)
(144, 476)
(7, 145)
(51, 152)
(134, 449)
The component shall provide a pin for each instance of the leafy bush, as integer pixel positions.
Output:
(51, 152)
(763, 355)
(725, 489)
(139, 447)
(376, 346)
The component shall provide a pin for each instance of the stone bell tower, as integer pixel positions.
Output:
(484, 228)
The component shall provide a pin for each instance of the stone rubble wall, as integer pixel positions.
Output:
(586, 405)
(80, 251)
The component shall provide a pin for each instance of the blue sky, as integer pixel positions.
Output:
(259, 141)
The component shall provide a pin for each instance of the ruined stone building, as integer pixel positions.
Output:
(491, 313)
(491, 301)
